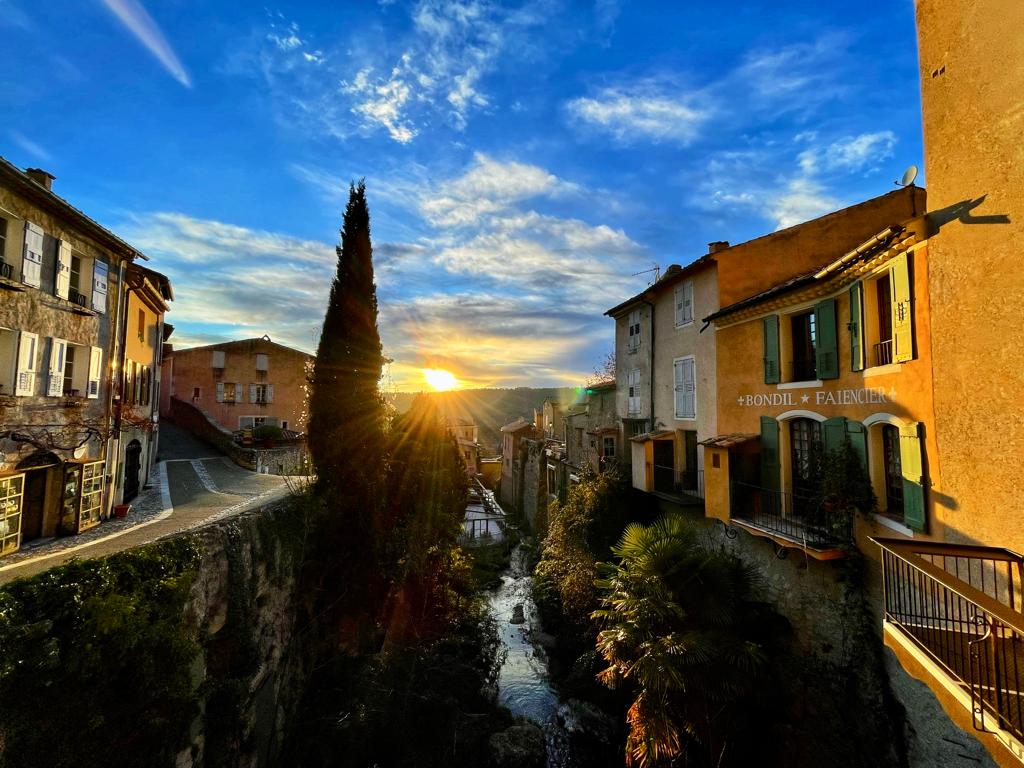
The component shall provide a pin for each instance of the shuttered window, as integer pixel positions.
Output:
(684, 304)
(95, 372)
(32, 255)
(770, 462)
(99, 286)
(262, 362)
(912, 466)
(220, 391)
(826, 343)
(771, 349)
(685, 388)
(857, 327)
(633, 380)
(218, 359)
(902, 320)
(634, 329)
(25, 384)
(62, 280)
(55, 375)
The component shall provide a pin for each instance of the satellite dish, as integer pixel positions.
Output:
(908, 177)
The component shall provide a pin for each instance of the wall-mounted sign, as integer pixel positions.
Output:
(863, 396)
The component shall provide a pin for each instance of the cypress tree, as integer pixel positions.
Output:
(346, 426)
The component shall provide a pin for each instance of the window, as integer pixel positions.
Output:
(262, 363)
(284, 425)
(893, 470)
(686, 387)
(10, 512)
(195, 394)
(608, 447)
(99, 286)
(633, 380)
(92, 494)
(230, 393)
(881, 326)
(807, 452)
(55, 375)
(76, 369)
(25, 383)
(804, 338)
(218, 359)
(634, 330)
(684, 304)
(142, 325)
(95, 371)
(32, 255)
(579, 437)
(261, 393)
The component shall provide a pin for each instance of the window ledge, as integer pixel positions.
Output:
(684, 325)
(888, 522)
(800, 384)
(686, 418)
(881, 370)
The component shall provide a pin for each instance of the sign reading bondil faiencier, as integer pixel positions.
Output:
(862, 396)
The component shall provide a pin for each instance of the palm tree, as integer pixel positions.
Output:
(680, 624)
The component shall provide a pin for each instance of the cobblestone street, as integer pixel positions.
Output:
(190, 485)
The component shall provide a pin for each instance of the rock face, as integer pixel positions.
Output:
(251, 672)
(521, 746)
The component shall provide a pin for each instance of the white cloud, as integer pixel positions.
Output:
(141, 24)
(642, 111)
(851, 154)
(383, 100)
(801, 200)
(31, 147)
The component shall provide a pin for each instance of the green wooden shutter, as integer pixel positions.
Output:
(771, 350)
(833, 433)
(856, 327)
(826, 343)
(902, 323)
(913, 480)
(770, 464)
(858, 435)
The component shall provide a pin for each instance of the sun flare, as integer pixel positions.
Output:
(440, 380)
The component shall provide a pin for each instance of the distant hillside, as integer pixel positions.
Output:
(489, 409)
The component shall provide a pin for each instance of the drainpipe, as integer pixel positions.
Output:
(651, 305)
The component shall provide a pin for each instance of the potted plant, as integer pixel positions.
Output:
(121, 510)
(846, 489)
(267, 434)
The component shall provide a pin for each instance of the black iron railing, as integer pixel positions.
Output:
(962, 606)
(668, 479)
(883, 352)
(804, 519)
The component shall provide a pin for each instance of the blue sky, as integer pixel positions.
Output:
(522, 160)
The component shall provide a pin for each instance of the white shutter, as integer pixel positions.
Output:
(239, 396)
(679, 305)
(679, 388)
(32, 257)
(690, 388)
(95, 372)
(63, 280)
(55, 380)
(261, 362)
(687, 307)
(99, 286)
(270, 393)
(220, 391)
(252, 393)
(218, 359)
(26, 377)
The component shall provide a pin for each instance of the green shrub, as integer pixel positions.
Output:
(267, 432)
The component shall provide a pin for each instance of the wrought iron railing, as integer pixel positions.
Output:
(883, 352)
(808, 520)
(962, 606)
(668, 479)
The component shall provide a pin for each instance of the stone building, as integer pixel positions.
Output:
(63, 280)
(240, 384)
(512, 436)
(467, 436)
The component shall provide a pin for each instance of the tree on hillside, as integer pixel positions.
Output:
(346, 439)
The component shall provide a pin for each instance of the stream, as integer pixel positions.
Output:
(524, 686)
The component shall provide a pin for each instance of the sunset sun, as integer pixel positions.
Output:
(440, 380)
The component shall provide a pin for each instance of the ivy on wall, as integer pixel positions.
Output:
(95, 661)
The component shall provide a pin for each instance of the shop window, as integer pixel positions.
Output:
(11, 489)
(807, 453)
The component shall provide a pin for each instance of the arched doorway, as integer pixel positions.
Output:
(807, 452)
(132, 464)
(33, 511)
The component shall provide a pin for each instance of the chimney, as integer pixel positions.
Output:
(718, 245)
(41, 177)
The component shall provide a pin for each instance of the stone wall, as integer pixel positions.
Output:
(534, 466)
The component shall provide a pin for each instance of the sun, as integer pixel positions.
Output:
(440, 380)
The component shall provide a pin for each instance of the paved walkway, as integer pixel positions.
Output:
(192, 487)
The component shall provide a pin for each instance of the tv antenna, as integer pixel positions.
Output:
(655, 269)
(908, 177)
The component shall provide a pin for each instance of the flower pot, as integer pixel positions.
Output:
(121, 510)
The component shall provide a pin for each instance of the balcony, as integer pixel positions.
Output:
(792, 521)
(960, 608)
(883, 352)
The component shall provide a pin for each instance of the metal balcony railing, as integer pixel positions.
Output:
(803, 519)
(681, 482)
(962, 606)
(883, 352)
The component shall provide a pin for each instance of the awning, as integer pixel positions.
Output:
(660, 434)
(727, 441)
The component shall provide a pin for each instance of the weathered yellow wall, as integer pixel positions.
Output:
(716, 483)
(751, 267)
(972, 84)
